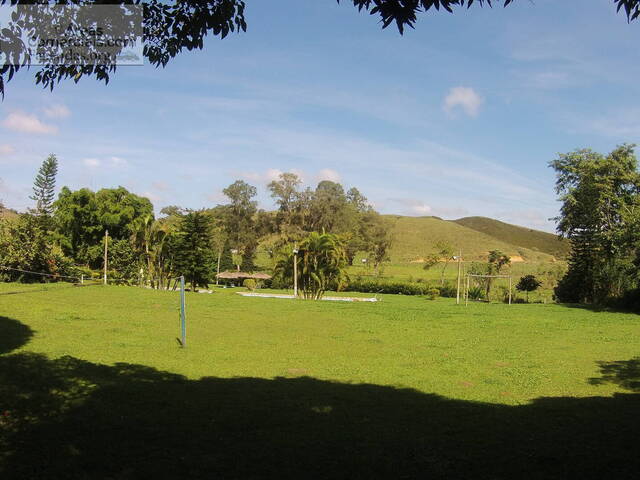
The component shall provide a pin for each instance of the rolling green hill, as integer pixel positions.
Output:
(414, 238)
(524, 237)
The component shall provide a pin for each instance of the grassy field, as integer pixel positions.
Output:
(414, 237)
(515, 235)
(94, 385)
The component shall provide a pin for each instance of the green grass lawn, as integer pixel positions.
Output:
(94, 385)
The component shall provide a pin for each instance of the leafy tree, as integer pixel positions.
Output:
(358, 201)
(123, 260)
(600, 215)
(496, 261)
(528, 283)
(321, 264)
(377, 237)
(285, 192)
(82, 216)
(239, 222)
(25, 245)
(170, 28)
(443, 252)
(44, 187)
(194, 257)
(329, 208)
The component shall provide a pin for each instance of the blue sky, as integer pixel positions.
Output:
(458, 117)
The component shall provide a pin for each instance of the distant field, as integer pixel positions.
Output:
(97, 387)
(414, 237)
(526, 237)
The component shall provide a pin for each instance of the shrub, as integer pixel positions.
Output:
(449, 290)
(249, 284)
(397, 288)
(432, 293)
(476, 292)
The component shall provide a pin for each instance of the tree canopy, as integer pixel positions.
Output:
(170, 28)
(600, 215)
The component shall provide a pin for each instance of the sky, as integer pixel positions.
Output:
(458, 117)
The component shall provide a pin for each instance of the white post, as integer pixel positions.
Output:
(82, 279)
(295, 272)
(106, 243)
(459, 273)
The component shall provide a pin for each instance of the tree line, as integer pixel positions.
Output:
(66, 235)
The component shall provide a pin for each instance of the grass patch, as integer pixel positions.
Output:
(95, 386)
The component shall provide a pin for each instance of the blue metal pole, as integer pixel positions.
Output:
(183, 316)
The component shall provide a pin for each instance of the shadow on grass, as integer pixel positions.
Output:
(624, 373)
(13, 334)
(72, 419)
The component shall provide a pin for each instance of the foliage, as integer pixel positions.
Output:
(124, 260)
(82, 216)
(194, 258)
(249, 284)
(528, 283)
(44, 187)
(25, 245)
(600, 215)
(432, 293)
(443, 252)
(321, 262)
(384, 287)
(239, 222)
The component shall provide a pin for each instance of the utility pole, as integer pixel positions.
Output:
(218, 269)
(459, 275)
(106, 243)
(295, 272)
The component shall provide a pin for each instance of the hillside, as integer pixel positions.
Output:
(524, 237)
(414, 237)
(7, 213)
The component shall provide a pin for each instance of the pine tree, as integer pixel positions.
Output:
(195, 259)
(44, 186)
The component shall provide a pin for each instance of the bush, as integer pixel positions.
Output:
(394, 288)
(449, 290)
(476, 292)
(249, 284)
(432, 293)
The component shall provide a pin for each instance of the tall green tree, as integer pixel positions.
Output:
(330, 209)
(44, 186)
(239, 220)
(82, 216)
(600, 214)
(194, 256)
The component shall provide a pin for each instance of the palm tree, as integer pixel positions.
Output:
(321, 263)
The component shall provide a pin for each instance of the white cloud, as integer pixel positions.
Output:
(412, 206)
(464, 97)
(270, 175)
(328, 174)
(91, 162)
(118, 162)
(6, 149)
(57, 111)
(26, 123)
(112, 163)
